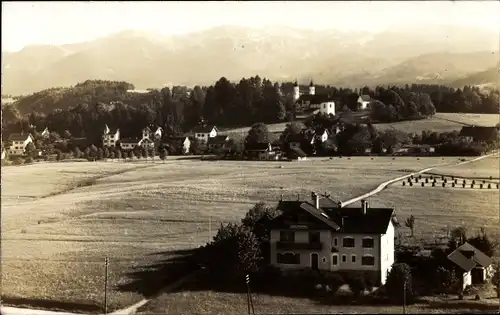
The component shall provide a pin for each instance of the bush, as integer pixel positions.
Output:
(18, 161)
(334, 281)
(357, 284)
(398, 278)
(28, 160)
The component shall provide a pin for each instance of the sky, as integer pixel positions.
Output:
(56, 23)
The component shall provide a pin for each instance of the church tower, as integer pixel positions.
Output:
(296, 91)
(312, 89)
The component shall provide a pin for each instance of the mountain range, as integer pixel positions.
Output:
(404, 55)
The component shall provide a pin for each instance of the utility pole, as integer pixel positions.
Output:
(249, 296)
(404, 297)
(106, 263)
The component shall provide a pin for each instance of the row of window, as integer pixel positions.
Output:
(366, 260)
(347, 242)
(294, 259)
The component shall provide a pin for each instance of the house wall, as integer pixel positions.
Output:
(146, 133)
(128, 146)
(187, 146)
(18, 147)
(110, 140)
(325, 256)
(327, 108)
(466, 279)
(302, 236)
(386, 252)
(362, 104)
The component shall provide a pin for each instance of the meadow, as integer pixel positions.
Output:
(60, 220)
(441, 122)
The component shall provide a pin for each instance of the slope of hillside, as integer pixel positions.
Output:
(440, 68)
(330, 56)
(489, 77)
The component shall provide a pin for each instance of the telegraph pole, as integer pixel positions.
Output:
(106, 263)
(404, 297)
(249, 296)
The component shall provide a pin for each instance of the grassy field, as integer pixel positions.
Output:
(441, 122)
(60, 220)
(208, 302)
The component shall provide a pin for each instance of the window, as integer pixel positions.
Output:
(368, 242)
(335, 259)
(344, 258)
(368, 260)
(348, 242)
(288, 258)
(314, 237)
(324, 105)
(323, 259)
(287, 236)
(335, 242)
(353, 258)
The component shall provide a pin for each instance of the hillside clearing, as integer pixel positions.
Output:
(441, 122)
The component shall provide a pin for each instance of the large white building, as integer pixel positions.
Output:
(320, 234)
(311, 101)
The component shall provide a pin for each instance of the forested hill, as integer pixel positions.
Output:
(88, 92)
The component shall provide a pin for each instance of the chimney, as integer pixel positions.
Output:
(298, 197)
(364, 206)
(343, 221)
(315, 199)
(281, 197)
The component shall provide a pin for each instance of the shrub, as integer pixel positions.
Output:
(398, 278)
(18, 161)
(28, 160)
(357, 284)
(334, 281)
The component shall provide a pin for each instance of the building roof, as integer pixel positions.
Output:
(315, 99)
(344, 220)
(130, 140)
(204, 129)
(467, 257)
(365, 98)
(263, 146)
(218, 139)
(19, 136)
(320, 131)
(287, 206)
(479, 132)
(146, 128)
(299, 152)
(176, 139)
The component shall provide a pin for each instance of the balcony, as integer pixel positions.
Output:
(296, 246)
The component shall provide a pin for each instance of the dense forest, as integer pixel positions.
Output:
(82, 110)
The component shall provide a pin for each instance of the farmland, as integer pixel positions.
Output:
(441, 122)
(60, 220)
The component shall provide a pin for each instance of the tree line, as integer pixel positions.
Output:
(83, 109)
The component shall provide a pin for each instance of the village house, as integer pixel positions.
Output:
(158, 134)
(19, 143)
(217, 144)
(203, 133)
(110, 137)
(178, 145)
(363, 102)
(318, 234)
(304, 141)
(321, 135)
(474, 266)
(480, 133)
(260, 151)
(45, 133)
